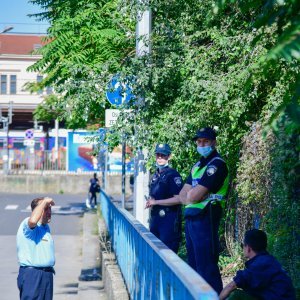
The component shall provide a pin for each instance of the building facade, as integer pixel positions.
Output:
(22, 138)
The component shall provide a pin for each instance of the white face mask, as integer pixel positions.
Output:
(160, 167)
(205, 151)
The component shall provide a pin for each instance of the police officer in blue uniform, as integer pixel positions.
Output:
(263, 276)
(203, 194)
(166, 183)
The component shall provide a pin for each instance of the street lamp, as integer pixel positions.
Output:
(6, 29)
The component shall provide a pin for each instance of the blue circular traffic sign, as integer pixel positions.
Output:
(29, 134)
(118, 93)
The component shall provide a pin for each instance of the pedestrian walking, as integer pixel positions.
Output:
(93, 190)
(35, 248)
(165, 219)
(263, 276)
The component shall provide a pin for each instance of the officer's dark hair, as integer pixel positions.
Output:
(35, 202)
(256, 239)
(95, 175)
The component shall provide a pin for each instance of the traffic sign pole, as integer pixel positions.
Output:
(141, 175)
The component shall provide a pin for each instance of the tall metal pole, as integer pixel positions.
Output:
(141, 175)
(9, 121)
(105, 170)
(7, 148)
(56, 144)
(123, 169)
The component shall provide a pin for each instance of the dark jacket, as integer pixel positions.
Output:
(264, 278)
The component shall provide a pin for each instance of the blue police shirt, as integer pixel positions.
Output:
(215, 174)
(35, 247)
(264, 278)
(165, 184)
(213, 179)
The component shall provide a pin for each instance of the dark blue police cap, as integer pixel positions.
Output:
(163, 149)
(206, 132)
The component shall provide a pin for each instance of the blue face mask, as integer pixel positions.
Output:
(205, 151)
(160, 167)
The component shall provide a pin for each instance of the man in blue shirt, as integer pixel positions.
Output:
(263, 277)
(35, 248)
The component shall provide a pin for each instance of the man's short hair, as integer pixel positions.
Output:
(35, 202)
(256, 239)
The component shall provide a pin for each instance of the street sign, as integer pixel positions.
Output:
(118, 93)
(29, 143)
(29, 134)
(111, 116)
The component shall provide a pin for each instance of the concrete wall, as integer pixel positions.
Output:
(58, 183)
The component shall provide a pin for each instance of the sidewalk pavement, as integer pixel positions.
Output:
(91, 285)
(100, 276)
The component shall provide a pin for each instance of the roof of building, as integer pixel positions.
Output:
(22, 44)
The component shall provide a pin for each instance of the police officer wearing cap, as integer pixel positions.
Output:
(166, 183)
(204, 194)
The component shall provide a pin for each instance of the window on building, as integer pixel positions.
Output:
(39, 78)
(3, 80)
(13, 84)
(37, 46)
(49, 90)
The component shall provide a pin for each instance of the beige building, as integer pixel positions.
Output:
(15, 57)
(23, 138)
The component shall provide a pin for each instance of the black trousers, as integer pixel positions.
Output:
(167, 228)
(93, 198)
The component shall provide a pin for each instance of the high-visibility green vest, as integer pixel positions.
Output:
(197, 173)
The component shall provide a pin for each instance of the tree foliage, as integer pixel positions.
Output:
(86, 44)
(229, 64)
(231, 69)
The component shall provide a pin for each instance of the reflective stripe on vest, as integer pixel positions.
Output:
(197, 173)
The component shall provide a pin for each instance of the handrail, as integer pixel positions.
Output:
(150, 269)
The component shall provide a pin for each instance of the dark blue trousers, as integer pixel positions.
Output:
(202, 244)
(35, 284)
(167, 229)
(93, 198)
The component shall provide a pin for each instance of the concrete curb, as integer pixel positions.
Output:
(113, 281)
(90, 285)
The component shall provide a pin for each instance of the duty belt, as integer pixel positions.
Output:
(162, 211)
(45, 269)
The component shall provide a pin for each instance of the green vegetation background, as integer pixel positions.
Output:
(229, 64)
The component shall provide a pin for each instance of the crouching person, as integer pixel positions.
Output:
(263, 276)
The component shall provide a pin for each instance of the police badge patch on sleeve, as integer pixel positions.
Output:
(178, 181)
(211, 170)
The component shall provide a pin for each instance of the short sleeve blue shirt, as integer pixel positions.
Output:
(35, 247)
(165, 184)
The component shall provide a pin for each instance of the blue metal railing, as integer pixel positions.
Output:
(150, 269)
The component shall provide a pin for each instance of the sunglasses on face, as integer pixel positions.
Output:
(161, 155)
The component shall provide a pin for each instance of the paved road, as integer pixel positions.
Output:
(66, 226)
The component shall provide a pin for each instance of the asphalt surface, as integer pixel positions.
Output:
(66, 227)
